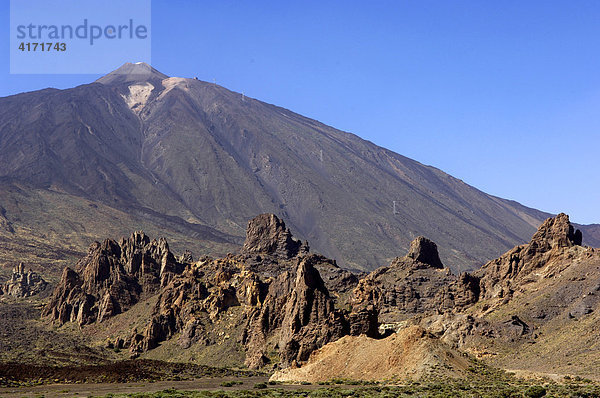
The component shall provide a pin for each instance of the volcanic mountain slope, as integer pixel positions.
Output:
(49, 230)
(195, 157)
(268, 303)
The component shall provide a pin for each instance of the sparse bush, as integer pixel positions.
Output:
(228, 384)
(535, 392)
(260, 386)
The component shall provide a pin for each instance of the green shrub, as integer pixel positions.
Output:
(228, 384)
(535, 392)
(260, 386)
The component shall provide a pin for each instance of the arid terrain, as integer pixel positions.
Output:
(268, 258)
(133, 311)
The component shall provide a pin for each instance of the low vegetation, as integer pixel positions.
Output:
(23, 375)
(439, 389)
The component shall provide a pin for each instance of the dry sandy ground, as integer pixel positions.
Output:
(409, 354)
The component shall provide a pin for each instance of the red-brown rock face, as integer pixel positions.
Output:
(299, 309)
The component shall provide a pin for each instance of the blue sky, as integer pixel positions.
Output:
(503, 95)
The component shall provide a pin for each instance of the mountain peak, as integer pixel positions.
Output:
(132, 73)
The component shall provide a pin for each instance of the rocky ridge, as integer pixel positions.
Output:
(283, 303)
(277, 303)
(535, 306)
(500, 277)
(532, 308)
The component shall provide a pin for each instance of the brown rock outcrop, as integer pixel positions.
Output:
(23, 284)
(424, 251)
(272, 293)
(502, 276)
(532, 296)
(267, 234)
(415, 284)
(112, 278)
(310, 317)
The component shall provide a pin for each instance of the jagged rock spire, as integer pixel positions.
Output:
(556, 232)
(267, 234)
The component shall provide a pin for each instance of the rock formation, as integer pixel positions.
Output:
(500, 277)
(275, 304)
(424, 251)
(299, 312)
(530, 308)
(23, 284)
(272, 293)
(112, 278)
(415, 284)
(419, 284)
(267, 234)
(285, 303)
(533, 303)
